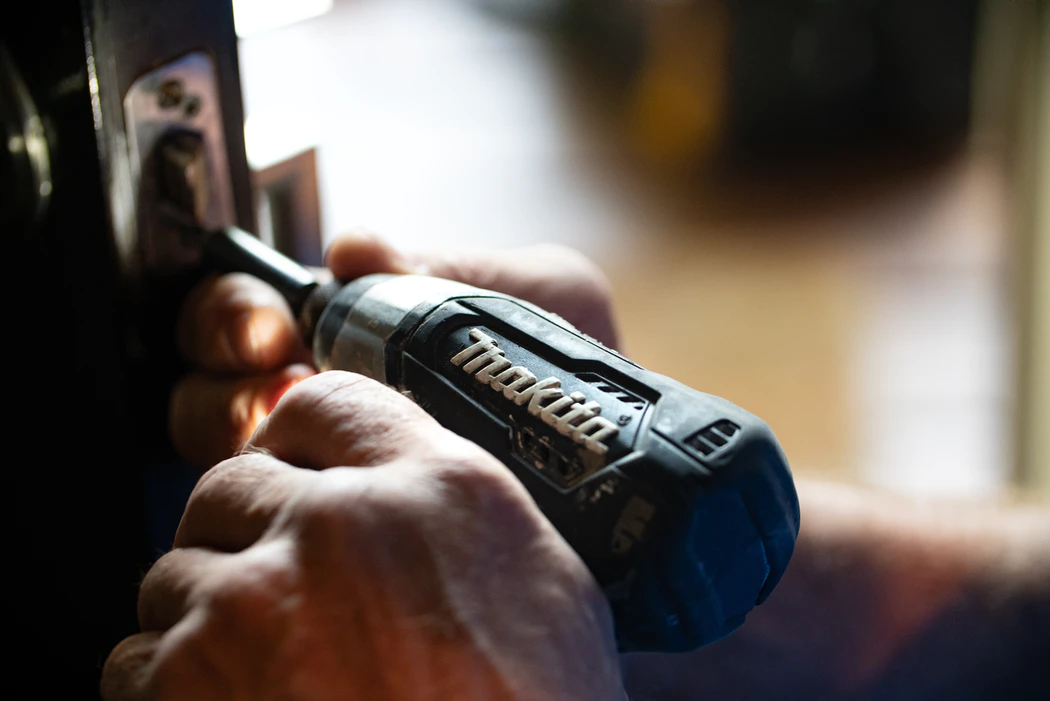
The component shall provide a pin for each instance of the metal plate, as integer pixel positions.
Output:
(182, 95)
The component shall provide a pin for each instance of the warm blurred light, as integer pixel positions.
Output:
(255, 16)
(679, 100)
(860, 306)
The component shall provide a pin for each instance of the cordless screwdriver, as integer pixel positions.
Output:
(680, 503)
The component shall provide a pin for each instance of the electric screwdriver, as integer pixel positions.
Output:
(680, 503)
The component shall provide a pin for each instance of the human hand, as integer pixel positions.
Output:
(403, 563)
(241, 336)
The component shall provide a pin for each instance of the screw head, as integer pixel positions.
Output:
(170, 94)
(192, 106)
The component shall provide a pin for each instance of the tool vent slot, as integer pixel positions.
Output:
(711, 438)
(563, 470)
(615, 391)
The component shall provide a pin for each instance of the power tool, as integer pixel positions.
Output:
(681, 504)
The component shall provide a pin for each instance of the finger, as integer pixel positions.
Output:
(237, 323)
(211, 417)
(125, 676)
(167, 591)
(362, 422)
(553, 277)
(360, 252)
(234, 503)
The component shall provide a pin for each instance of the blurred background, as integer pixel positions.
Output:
(831, 212)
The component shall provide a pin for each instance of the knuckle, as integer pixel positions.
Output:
(202, 496)
(183, 663)
(468, 465)
(154, 579)
(594, 285)
(253, 596)
(120, 655)
(315, 394)
(211, 490)
(126, 667)
(172, 663)
(334, 508)
(582, 267)
(471, 475)
(363, 421)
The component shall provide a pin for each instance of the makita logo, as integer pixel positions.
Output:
(570, 416)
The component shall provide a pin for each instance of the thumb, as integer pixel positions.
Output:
(553, 277)
(360, 252)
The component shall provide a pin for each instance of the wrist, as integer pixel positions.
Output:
(1011, 591)
(968, 601)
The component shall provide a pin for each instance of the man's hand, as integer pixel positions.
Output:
(357, 550)
(242, 337)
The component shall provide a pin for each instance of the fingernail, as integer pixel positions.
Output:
(255, 332)
(410, 264)
(233, 338)
(397, 261)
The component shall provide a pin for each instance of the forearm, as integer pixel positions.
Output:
(883, 597)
